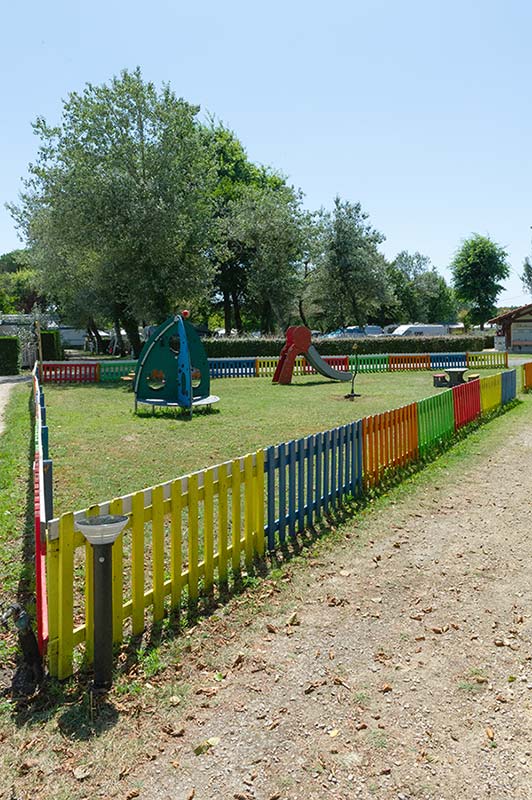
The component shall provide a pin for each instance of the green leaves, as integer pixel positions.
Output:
(477, 268)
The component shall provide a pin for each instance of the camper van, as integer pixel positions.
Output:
(421, 330)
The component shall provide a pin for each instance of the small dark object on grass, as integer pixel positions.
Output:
(31, 672)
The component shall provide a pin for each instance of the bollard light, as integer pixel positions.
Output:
(101, 531)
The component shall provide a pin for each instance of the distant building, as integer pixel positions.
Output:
(514, 330)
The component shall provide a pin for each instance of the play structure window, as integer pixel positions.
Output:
(195, 375)
(156, 380)
(174, 344)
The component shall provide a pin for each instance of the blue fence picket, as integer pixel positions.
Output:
(269, 467)
(443, 360)
(318, 497)
(334, 466)
(232, 367)
(291, 488)
(326, 460)
(300, 456)
(282, 492)
(310, 480)
(509, 386)
(341, 453)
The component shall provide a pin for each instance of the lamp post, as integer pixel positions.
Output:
(101, 532)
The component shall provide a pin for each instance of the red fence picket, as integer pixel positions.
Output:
(466, 399)
(70, 372)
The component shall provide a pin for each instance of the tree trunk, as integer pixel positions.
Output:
(131, 327)
(236, 306)
(119, 342)
(302, 313)
(95, 333)
(227, 312)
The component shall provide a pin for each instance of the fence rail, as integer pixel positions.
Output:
(189, 536)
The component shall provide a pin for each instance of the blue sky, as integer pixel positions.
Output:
(419, 110)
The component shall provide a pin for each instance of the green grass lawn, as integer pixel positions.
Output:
(101, 449)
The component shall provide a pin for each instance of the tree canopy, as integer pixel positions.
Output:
(350, 280)
(478, 267)
(526, 276)
(119, 200)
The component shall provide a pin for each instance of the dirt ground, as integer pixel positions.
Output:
(394, 663)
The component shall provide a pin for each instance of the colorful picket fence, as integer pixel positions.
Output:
(467, 404)
(435, 416)
(70, 372)
(408, 361)
(42, 477)
(114, 370)
(369, 363)
(490, 393)
(264, 366)
(389, 441)
(487, 360)
(232, 367)
(187, 537)
(305, 477)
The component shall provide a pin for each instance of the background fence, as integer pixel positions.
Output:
(190, 536)
(261, 367)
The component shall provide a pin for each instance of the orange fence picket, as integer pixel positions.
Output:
(527, 376)
(409, 361)
(390, 440)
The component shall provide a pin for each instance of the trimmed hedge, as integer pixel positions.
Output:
(233, 347)
(52, 348)
(9, 355)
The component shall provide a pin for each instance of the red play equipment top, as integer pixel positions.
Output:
(298, 343)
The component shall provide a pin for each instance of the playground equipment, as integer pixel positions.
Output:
(298, 343)
(172, 369)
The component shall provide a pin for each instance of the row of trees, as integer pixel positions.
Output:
(133, 208)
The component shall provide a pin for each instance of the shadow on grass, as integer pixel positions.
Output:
(82, 720)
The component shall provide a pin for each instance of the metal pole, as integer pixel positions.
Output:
(103, 617)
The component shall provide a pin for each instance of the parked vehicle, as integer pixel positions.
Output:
(354, 331)
(421, 330)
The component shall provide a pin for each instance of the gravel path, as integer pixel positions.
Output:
(405, 673)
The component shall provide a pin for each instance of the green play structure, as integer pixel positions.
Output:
(173, 370)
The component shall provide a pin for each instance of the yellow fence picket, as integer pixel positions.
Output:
(490, 392)
(137, 562)
(176, 558)
(235, 514)
(259, 503)
(249, 517)
(66, 596)
(89, 602)
(93, 511)
(52, 583)
(157, 544)
(193, 536)
(222, 522)
(208, 525)
(115, 507)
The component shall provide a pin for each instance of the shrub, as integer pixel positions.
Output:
(9, 355)
(237, 347)
(52, 349)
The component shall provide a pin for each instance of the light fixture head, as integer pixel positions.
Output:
(103, 529)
